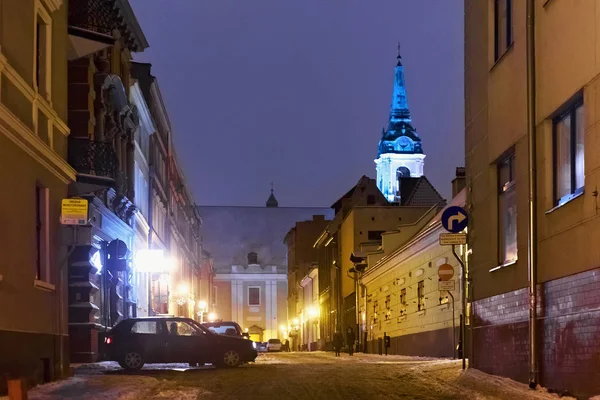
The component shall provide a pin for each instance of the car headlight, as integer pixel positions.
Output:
(254, 345)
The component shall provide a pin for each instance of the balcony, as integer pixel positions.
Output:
(93, 158)
(92, 24)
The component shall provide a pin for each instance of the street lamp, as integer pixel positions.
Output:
(212, 317)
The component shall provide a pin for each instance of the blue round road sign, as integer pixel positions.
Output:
(455, 219)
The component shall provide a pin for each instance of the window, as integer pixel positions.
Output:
(146, 327)
(252, 258)
(403, 296)
(254, 296)
(569, 154)
(42, 234)
(421, 296)
(503, 37)
(374, 235)
(42, 45)
(507, 211)
(180, 328)
(214, 296)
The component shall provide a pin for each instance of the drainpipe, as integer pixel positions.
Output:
(532, 234)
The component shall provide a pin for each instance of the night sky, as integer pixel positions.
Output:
(297, 92)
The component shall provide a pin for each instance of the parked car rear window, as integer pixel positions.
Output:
(274, 341)
(147, 327)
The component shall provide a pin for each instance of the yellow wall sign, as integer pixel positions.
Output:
(74, 212)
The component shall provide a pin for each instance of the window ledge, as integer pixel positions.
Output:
(48, 287)
(506, 264)
(421, 313)
(564, 203)
(502, 56)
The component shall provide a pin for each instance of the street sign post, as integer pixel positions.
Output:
(455, 219)
(445, 272)
(453, 239)
(74, 212)
(446, 285)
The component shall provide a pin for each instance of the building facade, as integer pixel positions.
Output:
(303, 282)
(142, 198)
(36, 175)
(399, 153)
(103, 125)
(534, 275)
(158, 184)
(362, 216)
(250, 263)
(401, 298)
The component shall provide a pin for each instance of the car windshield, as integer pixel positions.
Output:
(274, 341)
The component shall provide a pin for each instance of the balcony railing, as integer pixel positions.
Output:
(99, 16)
(93, 158)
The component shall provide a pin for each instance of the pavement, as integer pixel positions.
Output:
(314, 375)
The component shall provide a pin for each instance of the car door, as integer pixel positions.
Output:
(186, 343)
(149, 337)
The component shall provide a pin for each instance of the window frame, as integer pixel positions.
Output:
(509, 29)
(505, 189)
(569, 110)
(259, 296)
(42, 51)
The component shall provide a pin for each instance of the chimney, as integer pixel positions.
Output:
(459, 182)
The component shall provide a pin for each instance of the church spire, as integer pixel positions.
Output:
(399, 109)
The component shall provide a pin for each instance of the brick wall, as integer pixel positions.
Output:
(568, 331)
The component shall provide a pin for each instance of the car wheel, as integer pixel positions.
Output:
(231, 359)
(133, 361)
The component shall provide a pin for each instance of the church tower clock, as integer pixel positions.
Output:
(400, 153)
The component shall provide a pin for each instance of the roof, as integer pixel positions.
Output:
(272, 201)
(419, 192)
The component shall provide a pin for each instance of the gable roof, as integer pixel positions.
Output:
(419, 192)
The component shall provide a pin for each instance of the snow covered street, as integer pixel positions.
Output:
(291, 376)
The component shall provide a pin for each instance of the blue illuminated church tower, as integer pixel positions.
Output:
(400, 153)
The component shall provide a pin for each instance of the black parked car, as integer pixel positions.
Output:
(138, 341)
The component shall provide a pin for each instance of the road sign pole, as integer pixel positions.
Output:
(463, 282)
(453, 328)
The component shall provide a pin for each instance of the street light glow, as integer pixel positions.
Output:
(153, 261)
(212, 316)
(313, 312)
(202, 304)
(182, 289)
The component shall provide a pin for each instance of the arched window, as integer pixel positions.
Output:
(403, 172)
(252, 258)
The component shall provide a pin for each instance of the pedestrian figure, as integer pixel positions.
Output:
(338, 342)
(350, 339)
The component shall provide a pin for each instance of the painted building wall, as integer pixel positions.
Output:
(33, 137)
(391, 305)
(568, 259)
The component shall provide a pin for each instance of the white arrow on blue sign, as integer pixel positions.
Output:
(455, 219)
